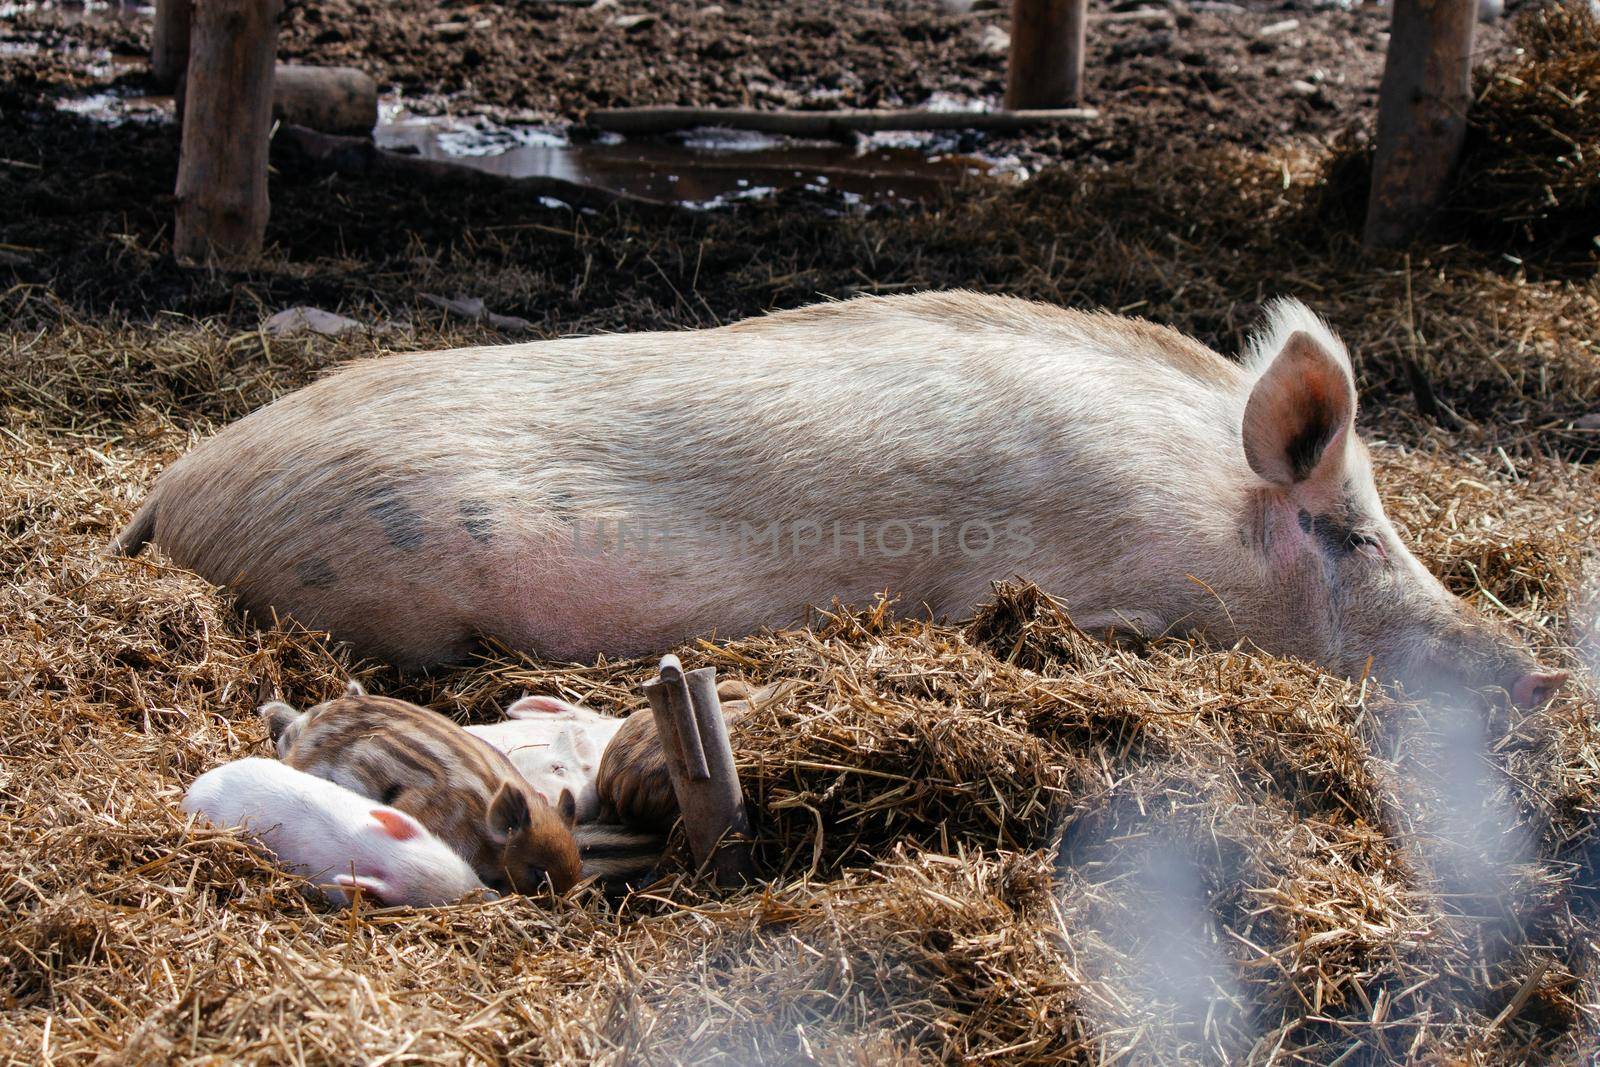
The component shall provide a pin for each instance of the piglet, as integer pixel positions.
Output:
(458, 786)
(331, 836)
(556, 746)
(633, 783)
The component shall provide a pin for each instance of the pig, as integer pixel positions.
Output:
(618, 855)
(556, 746)
(462, 789)
(633, 783)
(621, 494)
(331, 836)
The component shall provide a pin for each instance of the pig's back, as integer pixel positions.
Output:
(424, 480)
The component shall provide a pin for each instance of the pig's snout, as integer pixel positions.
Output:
(1478, 661)
(1535, 687)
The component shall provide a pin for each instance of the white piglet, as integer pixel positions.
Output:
(334, 837)
(555, 745)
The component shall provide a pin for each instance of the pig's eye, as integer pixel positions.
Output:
(1365, 542)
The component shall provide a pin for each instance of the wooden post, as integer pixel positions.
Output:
(1422, 115)
(1046, 64)
(222, 165)
(169, 40)
(694, 740)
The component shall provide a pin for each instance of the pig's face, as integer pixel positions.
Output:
(1327, 577)
(567, 765)
(401, 863)
(534, 842)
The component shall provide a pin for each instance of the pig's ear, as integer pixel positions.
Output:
(508, 813)
(277, 715)
(580, 744)
(353, 688)
(536, 707)
(396, 824)
(567, 807)
(372, 887)
(1297, 421)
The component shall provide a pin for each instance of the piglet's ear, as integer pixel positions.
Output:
(567, 807)
(372, 887)
(278, 716)
(508, 813)
(580, 744)
(534, 707)
(1297, 421)
(397, 824)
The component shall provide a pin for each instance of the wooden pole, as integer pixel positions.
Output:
(1047, 42)
(169, 40)
(222, 165)
(694, 740)
(1422, 115)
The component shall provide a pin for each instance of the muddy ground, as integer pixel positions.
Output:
(89, 211)
(913, 799)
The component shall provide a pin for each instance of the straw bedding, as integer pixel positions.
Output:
(996, 836)
(984, 839)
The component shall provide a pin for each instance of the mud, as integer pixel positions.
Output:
(708, 169)
(1151, 211)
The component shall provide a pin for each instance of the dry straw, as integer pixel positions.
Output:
(991, 840)
(957, 821)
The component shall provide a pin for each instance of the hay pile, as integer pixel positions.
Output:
(1527, 185)
(1529, 175)
(994, 839)
(984, 839)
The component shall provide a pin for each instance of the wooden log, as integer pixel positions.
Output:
(169, 41)
(1045, 69)
(694, 740)
(222, 164)
(329, 99)
(1422, 116)
(648, 120)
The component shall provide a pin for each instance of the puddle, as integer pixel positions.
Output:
(705, 168)
(88, 12)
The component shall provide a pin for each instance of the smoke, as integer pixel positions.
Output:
(1586, 621)
(1454, 800)
(1139, 915)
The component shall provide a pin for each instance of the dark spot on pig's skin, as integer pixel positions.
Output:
(401, 525)
(1334, 536)
(478, 518)
(316, 573)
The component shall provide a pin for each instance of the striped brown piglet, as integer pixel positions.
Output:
(462, 789)
(633, 783)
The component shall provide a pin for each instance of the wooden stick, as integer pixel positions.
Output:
(694, 739)
(1422, 115)
(222, 165)
(169, 41)
(646, 120)
(1045, 69)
